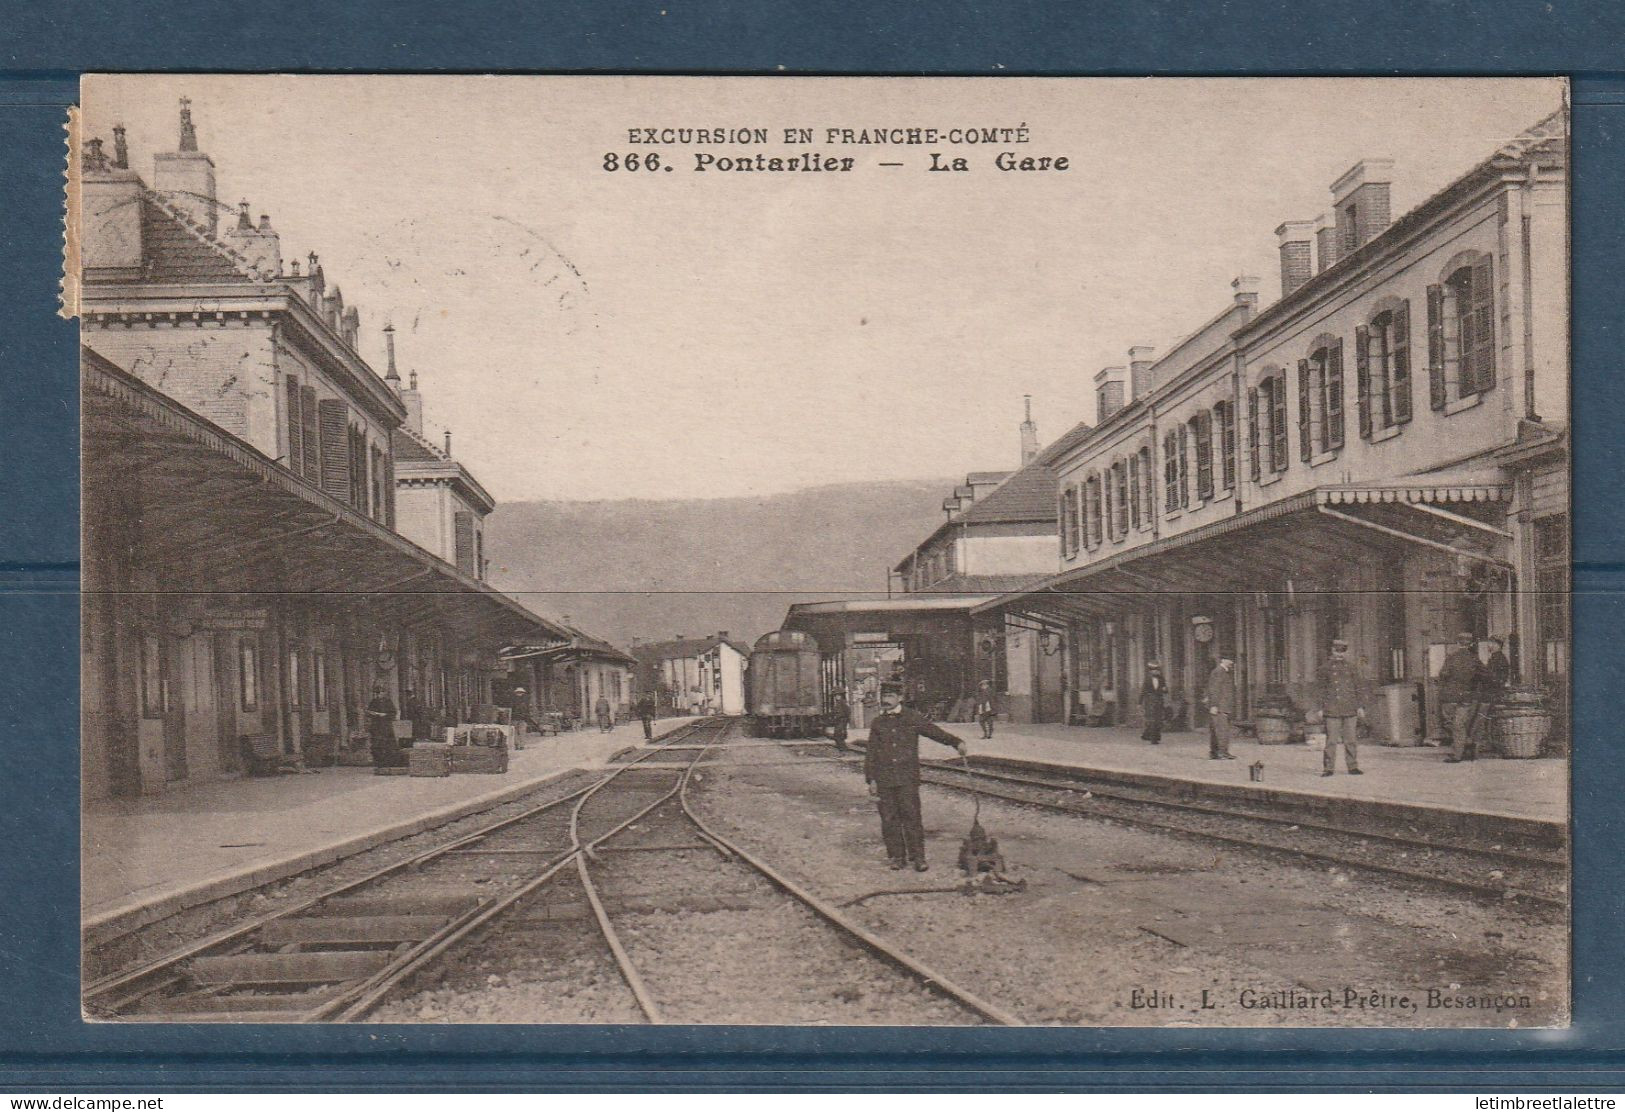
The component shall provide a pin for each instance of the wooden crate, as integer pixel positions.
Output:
(429, 759)
(478, 758)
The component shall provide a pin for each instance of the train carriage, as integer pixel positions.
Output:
(786, 686)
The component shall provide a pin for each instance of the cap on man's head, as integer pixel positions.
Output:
(1339, 645)
(891, 687)
(1464, 638)
(1154, 665)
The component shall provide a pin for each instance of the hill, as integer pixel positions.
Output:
(654, 570)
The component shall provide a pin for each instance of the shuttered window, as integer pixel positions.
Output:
(1279, 448)
(1148, 474)
(1120, 472)
(336, 455)
(1225, 414)
(1202, 433)
(463, 529)
(1437, 394)
(1184, 478)
(1332, 431)
(1363, 387)
(1306, 440)
(1109, 496)
(1069, 522)
(296, 427)
(1134, 490)
(1254, 460)
(311, 436)
(1475, 310)
(1170, 472)
(1097, 523)
(1399, 386)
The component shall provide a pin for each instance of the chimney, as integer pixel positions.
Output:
(1325, 243)
(414, 404)
(1244, 290)
(121, 149)
(448, 442)
(1109, 385)
(109, 217)
(260, 245)
(1297, 239)
(722, 635)
(1360, 201)
(1029, 434)
(1140, 359)
(185, 177)
(391, 376)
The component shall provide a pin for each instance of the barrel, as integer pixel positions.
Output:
(1272, 729)
(1520, 730)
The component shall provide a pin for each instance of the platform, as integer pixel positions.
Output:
(1515, 793)
(147, 858)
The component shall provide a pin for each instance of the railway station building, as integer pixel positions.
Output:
(1379, 456)
(246, 580)
(693, 675)
(566, 679)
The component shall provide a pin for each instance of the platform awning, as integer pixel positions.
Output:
(1317, 532)
(202, 512)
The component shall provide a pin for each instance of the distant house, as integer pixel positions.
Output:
(704, 675)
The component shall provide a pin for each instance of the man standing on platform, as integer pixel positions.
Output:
(1153, 702)
(891, 765)
(986, 714)
(1461, 682)
(386, 751)
(1221, 708)
(1342, 705)
(840, 716)
(646, 712)
(601, 709)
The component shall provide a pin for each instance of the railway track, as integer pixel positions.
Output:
(339, 956)
(1535, 875)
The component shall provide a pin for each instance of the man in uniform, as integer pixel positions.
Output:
(1342, 705)
(891, 765)
(840, 716)
(386, 751)
(646, 712)
(1153, 701)
(986, 712)
(1461, 682)
(1221, 709)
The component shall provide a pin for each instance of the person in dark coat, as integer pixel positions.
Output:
(1342, 705)
(840, 716)
(646, 713)
(986, 710)
(601, 709)
(386, 751)
(412, 711)
(1221, 709)
(1498, 671)
(891, 766)
(1154, 702)
(1461, 685)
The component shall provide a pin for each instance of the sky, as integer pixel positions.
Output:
(589, 334)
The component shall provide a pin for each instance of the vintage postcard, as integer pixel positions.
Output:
(1063, 552)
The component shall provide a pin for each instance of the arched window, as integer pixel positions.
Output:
(1461, 330)
(1382, 356)
(1266, 424)
(1224, 421)
(1320, 398)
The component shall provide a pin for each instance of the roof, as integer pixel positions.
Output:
(176, 251)
(891, 605)
(1028, 495)
(684, 647)
(1547, 139)
(978, 584)
(988, 476)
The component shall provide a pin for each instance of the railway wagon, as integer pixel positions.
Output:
(786, 686)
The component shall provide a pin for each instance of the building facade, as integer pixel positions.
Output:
(693, 675)
(245, 582)
(1379, 456)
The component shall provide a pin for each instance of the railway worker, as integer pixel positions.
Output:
(1342, 707)
(839, 716)
(1154, 702)
(601, 709)
(646, 713)
(986, 711)
(1221, 708)
(386, 751)
(891, 765)
(1461, 684)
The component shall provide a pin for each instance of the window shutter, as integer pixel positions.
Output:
(1122, 498)
(1170, 474)
(1098, 531)
(1108, 506)
(1253, 458)
(312, 434)
(1400, 385)
(1184, 479)
(296, 427)
(1060, 517)
(1480, 350)
(1334, 396)
(463, 528)
(1227, 441)
(358, 470)
(1278, 433)
(375, 461)
(1204, 454)
(336, 455)
(1134, 491)
(1436, 390)
(1148, 473)
(389, 490)
(1362, 378)
(1306, 443)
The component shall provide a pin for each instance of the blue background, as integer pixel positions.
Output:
(43, 48)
